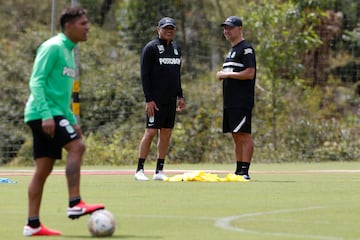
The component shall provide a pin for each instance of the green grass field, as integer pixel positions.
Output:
(283, 201)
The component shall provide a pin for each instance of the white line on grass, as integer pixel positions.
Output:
(225, 223)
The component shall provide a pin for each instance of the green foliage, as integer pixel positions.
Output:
(114, 92)
(279, 52)
(111, 99)
(347, 44)
(143, 17)
(198, 135)
(139, 25)
(348, 67)
(291, 33)
(292, 121)
(312, 126)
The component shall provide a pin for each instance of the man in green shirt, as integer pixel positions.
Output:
(53, 124)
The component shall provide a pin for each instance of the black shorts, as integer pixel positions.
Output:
(236, 120)
(164, 118)
(44, 145)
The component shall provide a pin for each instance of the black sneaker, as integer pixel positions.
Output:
(246, 176)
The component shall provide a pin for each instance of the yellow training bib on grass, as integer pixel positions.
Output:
(200, 176)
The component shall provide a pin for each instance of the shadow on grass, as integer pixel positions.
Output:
(273, 181)
(113, 237)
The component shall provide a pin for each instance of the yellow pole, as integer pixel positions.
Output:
(76, 88)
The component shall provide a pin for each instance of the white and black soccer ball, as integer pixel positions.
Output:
(101, 223)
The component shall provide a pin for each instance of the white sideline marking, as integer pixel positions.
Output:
(225, 223)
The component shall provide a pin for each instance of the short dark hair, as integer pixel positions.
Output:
(71, 13)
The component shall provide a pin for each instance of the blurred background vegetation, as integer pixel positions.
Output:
(307, 91)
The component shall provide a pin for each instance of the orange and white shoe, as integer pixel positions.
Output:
(40, 231)
(82, 208)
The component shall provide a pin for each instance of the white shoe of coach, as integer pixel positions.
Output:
(140, 176)
(160, 176)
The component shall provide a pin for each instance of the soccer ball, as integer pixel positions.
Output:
(101, 223)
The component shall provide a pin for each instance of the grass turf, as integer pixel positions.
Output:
(283, 201)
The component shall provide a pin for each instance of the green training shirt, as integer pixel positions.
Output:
(51, 81)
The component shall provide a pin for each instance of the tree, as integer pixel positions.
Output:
(279, 32)
(98, 11)
(143, 17)
(191, 16)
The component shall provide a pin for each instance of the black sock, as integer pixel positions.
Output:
(34, 222)
(238, 167)
(242, 168)
(141, 163)
(74, 201)
(159, 165)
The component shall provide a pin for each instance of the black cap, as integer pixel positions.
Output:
(166, 21)
(232, 21)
